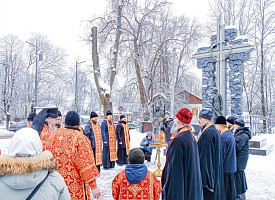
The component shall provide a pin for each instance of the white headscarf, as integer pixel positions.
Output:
(26, 141)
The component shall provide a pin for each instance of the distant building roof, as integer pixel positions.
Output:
(190, 98)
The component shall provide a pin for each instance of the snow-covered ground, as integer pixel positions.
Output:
(260, 171)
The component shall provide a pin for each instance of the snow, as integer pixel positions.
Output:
(241, 37)
(230, 27)
(260, 171)
(159, 94)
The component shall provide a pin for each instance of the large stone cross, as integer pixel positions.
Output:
(226, 48)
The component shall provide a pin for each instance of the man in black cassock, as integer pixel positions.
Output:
(210, 153)
(123, 139)
(181, 178)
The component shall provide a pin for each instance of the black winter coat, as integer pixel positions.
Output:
(242, 137)
(120, 135)
(88, 131)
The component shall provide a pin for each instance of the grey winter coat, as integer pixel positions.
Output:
(20, 175)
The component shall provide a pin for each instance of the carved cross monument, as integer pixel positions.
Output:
(226, 49)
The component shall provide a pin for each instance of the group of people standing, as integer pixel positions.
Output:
(211, 166)
(62, 161)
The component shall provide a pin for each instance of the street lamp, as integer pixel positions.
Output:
(76, 84)
(36, 71)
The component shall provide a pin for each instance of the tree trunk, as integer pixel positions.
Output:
(103, 93)
(262, 73)
(8, 122)
(116, 46)
(142, 92)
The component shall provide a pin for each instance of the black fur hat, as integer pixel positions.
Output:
(108, 112)
(231, 119)
(220, 120)
(31, 117)
(93, 114)
(72, 118)
(239, 122)
(122, 116)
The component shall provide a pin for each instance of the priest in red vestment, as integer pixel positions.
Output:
(109, 154)
(93, 132)
(44, 123)
(75, 159)
(136, 182)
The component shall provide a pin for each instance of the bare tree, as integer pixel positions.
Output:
(11, 53)
(50, 69)
(104, 89)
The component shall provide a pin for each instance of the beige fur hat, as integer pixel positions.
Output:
(26, 141)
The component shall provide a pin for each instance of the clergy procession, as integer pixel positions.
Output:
(60, 160)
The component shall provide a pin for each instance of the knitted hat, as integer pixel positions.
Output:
(239, 122)
(220, 120)
(93, 114)
(72, 118)
(108, 112)
(184, 115)
(136, 156)
(149, 133)
(122, 116)
(26, 141)
(31, 116)
(231, 119)
(206, 114)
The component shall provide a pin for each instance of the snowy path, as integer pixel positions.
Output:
(260, 171)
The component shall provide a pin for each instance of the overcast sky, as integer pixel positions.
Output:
(61, 20)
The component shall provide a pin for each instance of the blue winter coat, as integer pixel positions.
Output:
(228, 152)
(146, 146)
(21, 182)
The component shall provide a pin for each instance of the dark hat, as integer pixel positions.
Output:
(31, 117)
(93, 114)
(136, 156)
(239, 122)
(122, 116)
(206, 114)
(72, 118)
(39, 120)
(184, 115)
(108, 112)
(220, 120)
(59, 114)
(52, 112)
(231, 119)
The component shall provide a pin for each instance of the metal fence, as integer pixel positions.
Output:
(259, 124)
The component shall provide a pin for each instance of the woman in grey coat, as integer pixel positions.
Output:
(26, 166)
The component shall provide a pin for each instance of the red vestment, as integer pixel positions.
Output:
(127, 140)
(98, 143)
(112, 141)
(75, 161)
(45, 135)
(148, 189)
